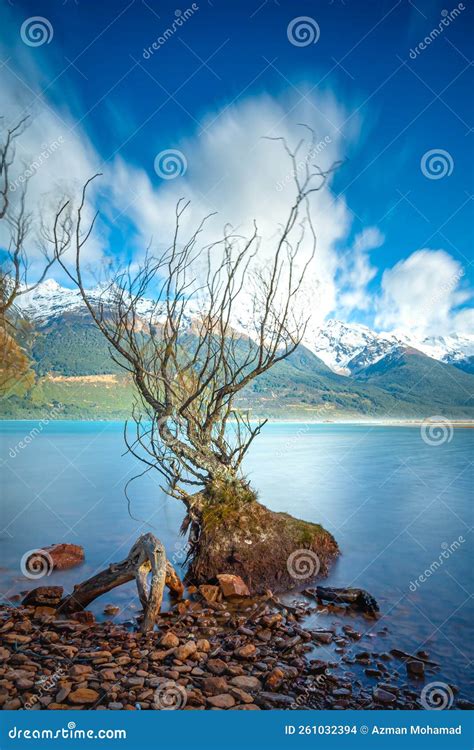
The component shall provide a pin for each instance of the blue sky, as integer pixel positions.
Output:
(396, 244)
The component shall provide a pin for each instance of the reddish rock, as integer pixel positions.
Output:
(232, 585)
(241, 695)
(44, 613)
(78, 670)
(214, 685)
(246, 682)
(111, 610)
(246, 652)
(169, 640)
(222, 701)
(275, 678)
(203, 645)
(86, 617)
(210, 593)
(83, 695)
(44, 596)
(65, 556)
(216, 666)
(184, 651)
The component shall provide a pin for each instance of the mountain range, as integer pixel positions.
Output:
(341, 370)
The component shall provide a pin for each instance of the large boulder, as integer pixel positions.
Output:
(232, 585)
(65, 556)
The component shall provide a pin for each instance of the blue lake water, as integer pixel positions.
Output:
(394, 503)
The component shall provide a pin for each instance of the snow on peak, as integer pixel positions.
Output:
(344, 347)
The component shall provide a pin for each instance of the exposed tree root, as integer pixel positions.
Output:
(147, 555)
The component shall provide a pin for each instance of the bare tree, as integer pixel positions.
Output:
(189, 364)
(14, 270)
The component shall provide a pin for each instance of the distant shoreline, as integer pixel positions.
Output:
(455, 423)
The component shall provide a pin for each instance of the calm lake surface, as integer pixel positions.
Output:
(394, 503)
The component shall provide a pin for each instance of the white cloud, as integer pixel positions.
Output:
(357, 272)
(422, 294)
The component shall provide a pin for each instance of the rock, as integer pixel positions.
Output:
(415, 669)
(373, 672)
(4, 654)
(111, 609)
(247, 707)
(83, 695)
(169, 640)
(44, 613)
(231, 585)
(203, 645)
(464, 704)
(383, 696)
(79, 670)
(275, 678)
(24, 683)
(246, 682)
(276, 699)
(59, 707)
(184, 651)
(63, 692)
(86, 617)
(16, 638)
(65, 556)
(44, 596)
(322, 637)
(135, 681)
(246, 652)
(222, 701)
(209, 593)
(108, 675)
(115, 706)
(241, 695)
(214, 685)
(216, 666)
(12, 705)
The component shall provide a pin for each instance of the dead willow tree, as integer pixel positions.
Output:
(189, 363)
(16, 219)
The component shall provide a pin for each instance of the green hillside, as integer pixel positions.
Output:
(77, 379)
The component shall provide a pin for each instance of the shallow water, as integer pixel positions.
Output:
(397, 506)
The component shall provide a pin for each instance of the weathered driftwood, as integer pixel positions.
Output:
(355, 597)
(413, 657)
(146, 556)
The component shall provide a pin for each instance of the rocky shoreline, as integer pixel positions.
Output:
(233, 654)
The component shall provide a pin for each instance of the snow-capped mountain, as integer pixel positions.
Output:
(344, 347)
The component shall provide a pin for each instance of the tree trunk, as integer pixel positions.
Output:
(231, 532)
(147, 555)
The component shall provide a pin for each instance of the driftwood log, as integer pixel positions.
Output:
(146, 556)
(357, 598)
